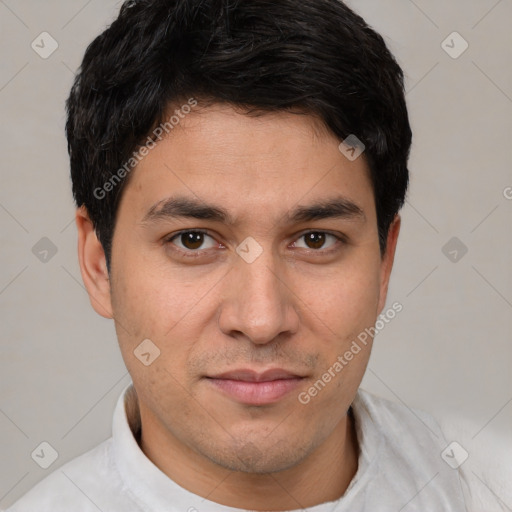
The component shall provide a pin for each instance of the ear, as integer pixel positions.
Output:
(387, 260)
(93, 266)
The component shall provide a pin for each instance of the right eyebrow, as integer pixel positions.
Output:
(175, 207)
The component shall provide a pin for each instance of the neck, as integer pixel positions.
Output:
(322, 477)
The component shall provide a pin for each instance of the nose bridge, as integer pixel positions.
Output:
(262, 285)
(259, 303)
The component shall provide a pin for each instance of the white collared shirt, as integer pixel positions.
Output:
(400, 469)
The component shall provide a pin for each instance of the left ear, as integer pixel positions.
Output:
(387, 260)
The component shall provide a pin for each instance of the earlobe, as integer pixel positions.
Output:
(387, 260)
(93, 266)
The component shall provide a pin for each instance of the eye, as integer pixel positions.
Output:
(191, 241)
(315, 240)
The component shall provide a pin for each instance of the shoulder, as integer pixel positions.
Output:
(404, 447)
(81, 485)
(398, 421)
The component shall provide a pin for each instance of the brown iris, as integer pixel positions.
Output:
(316, 239)
(192, 240)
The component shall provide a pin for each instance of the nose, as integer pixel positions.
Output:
(258, 302)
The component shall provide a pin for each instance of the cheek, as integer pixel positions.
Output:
(153, 300)
(164, 305)
(345, 299)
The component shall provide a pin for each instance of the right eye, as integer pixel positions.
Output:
(191, 241)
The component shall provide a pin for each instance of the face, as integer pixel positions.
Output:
(250, 296)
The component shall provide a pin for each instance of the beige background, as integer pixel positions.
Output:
(449, 351)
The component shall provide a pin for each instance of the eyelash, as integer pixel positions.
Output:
(198, 253)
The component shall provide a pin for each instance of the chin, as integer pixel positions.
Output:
(260, 457)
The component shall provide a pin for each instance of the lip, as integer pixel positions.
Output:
(252, 388)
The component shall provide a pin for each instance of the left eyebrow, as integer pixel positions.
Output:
(336, 208)
(185, 207)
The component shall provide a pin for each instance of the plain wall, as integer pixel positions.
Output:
(448, 352)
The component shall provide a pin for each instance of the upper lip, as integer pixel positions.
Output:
(248, 375)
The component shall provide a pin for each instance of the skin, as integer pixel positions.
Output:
(296, 306)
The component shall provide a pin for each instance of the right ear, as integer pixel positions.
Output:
(93, 265)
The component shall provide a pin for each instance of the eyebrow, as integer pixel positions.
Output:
(338, 207)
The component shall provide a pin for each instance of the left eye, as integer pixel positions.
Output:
(316, 239)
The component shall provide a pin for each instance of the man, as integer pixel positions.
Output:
(238, 169)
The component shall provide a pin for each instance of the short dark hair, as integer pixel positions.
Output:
(315, 56)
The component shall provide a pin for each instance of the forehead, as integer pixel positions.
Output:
(264, 164)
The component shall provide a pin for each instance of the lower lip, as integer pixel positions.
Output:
(256, 393)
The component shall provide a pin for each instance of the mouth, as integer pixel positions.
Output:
(252, 388)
